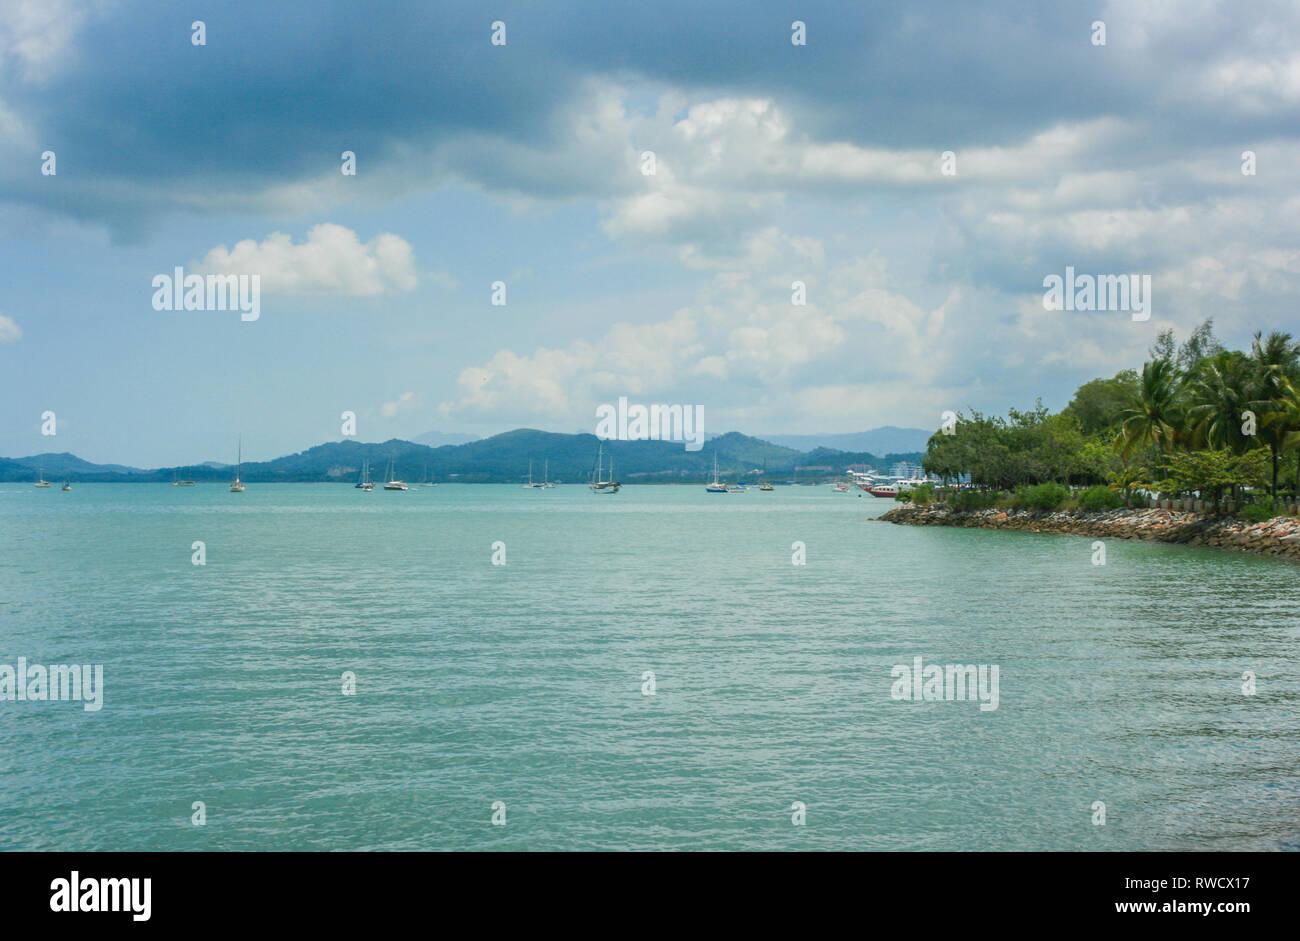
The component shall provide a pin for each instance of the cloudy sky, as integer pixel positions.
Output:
(521, 163)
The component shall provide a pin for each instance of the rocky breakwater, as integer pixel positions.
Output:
(1278, 537)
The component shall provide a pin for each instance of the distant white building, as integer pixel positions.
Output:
(907, 470)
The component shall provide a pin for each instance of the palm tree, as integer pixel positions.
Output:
(1225, 391)
(1226, 404)
(1277, 359)
(1128, 476)
(1152, 418)
(1283, 423)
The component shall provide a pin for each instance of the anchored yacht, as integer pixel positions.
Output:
(600, 483)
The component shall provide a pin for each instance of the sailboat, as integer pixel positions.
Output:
(67, 485)
(40, 480)
(393, 482)
(364, 483)
(425, 482)
(600, 484)
(546, 475)
(533, 485)
(767, 484)
(181, 483)
(238, 485)
(715, 486)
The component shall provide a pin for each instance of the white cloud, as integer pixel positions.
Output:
(770, 250)
(403, 402)
(10, 332)
(36, 39)
(744, 342)
(39, 34)
(628, 360)
(333, 260)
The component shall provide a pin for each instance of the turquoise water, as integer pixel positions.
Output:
(522, 683)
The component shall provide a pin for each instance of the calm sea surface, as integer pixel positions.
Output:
(522, 683)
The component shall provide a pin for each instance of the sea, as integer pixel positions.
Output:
(491, 667)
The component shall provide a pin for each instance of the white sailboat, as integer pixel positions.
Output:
(546, 475)
(365, 483)
(238, 485)
(532, 484)
(715, 486)
(393, 483)
(599, 483)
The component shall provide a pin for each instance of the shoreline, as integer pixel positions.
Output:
(1279, 537)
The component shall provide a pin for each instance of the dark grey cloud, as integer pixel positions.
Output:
(144, 122)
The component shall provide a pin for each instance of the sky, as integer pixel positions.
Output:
(523, 163)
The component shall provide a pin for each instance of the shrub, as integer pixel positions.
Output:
(1258, 512)
(1096, 499)
(923, 495)
(966, 500)
(1047, 496)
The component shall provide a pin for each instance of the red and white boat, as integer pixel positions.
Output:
(882, 490)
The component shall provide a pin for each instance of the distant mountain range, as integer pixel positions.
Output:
(888, 439)
(499, 459)
(885, 440)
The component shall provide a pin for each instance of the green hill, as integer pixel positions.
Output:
(502, 458)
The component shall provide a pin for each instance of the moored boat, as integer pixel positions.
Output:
(715, 485)
(599, 483)
(393, 483)
(238, 485)
(365, 483)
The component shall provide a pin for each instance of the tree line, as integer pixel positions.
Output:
(1197, 418)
